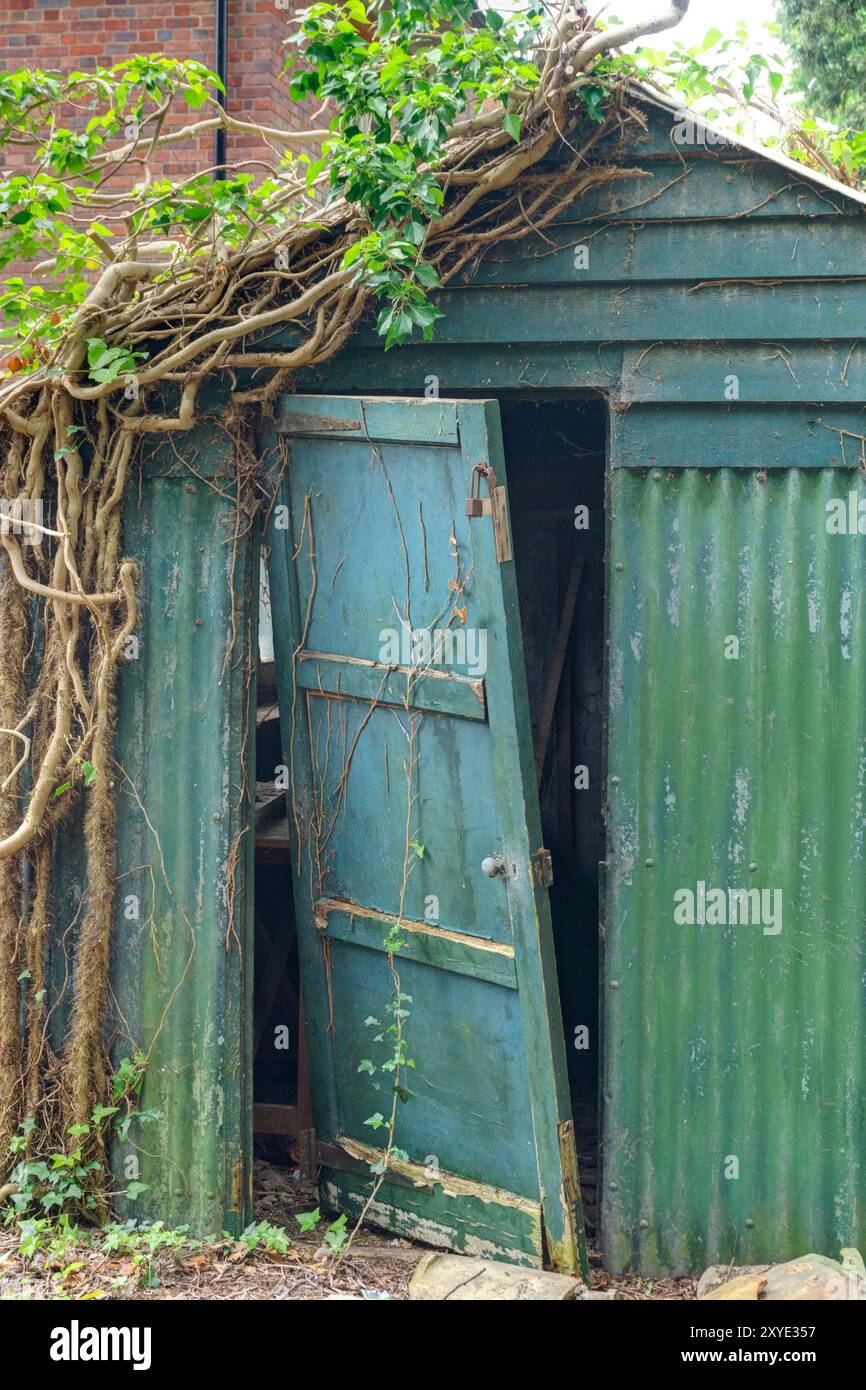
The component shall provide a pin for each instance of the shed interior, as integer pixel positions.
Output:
(555, 457)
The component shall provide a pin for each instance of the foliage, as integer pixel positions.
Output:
(65, 1182)
(744, 85)
(131, 1254)
(399, 78)
(827, 41)
(263, 1236)
(336, 1237)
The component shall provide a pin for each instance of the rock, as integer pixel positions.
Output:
(717, 1275)
(745, 1287)
(458, 1277)
(811, 1277)
(852, 1261)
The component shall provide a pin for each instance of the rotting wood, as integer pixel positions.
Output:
(477, 943)
(449, 1182)
(456, 1278)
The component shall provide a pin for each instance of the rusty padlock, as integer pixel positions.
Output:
(475, 502)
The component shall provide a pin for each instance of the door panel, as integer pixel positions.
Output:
(408, 742)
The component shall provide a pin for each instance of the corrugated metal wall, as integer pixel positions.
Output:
(734, 1063)
(179, 991)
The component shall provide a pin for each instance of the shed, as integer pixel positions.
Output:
(656, 412)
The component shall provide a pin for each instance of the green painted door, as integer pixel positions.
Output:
(415, 820)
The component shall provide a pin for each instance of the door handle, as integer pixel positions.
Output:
(491, 866)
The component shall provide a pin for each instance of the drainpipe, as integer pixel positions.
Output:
(221, 28)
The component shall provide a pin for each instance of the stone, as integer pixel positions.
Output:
(717, 1275)
(460, 1278)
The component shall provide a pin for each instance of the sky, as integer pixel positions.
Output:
(702, 15)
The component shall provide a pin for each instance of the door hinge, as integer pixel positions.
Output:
(542, 868)
(495, 506)
(308, 1156)
(568, 1163)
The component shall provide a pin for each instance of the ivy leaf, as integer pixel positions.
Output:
(308, 1220)
(511, 126)
(103, 1112)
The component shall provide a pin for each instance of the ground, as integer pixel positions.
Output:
(378, 1265)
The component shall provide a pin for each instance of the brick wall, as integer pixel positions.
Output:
(64, 35)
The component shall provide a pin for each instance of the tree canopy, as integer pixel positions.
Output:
(827, 41)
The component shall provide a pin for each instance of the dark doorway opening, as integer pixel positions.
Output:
(555, 457)
(282, 1110)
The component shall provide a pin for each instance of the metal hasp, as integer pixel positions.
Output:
(542, 867)
(495, 506)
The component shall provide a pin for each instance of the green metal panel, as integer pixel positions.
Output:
(378, 529)
(734, 1063)
(183, 897)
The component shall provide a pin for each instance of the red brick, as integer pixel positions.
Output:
(70, 35)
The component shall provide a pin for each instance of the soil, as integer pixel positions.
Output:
(378, 1265)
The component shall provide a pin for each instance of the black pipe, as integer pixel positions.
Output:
(221, 25)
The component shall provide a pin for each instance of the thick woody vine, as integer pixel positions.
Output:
(139, 291)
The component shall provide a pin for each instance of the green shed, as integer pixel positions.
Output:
(569, 634)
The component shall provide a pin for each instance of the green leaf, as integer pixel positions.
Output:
(336, 1235)
(308, 1220)
(103, 1112)
(511, 125)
